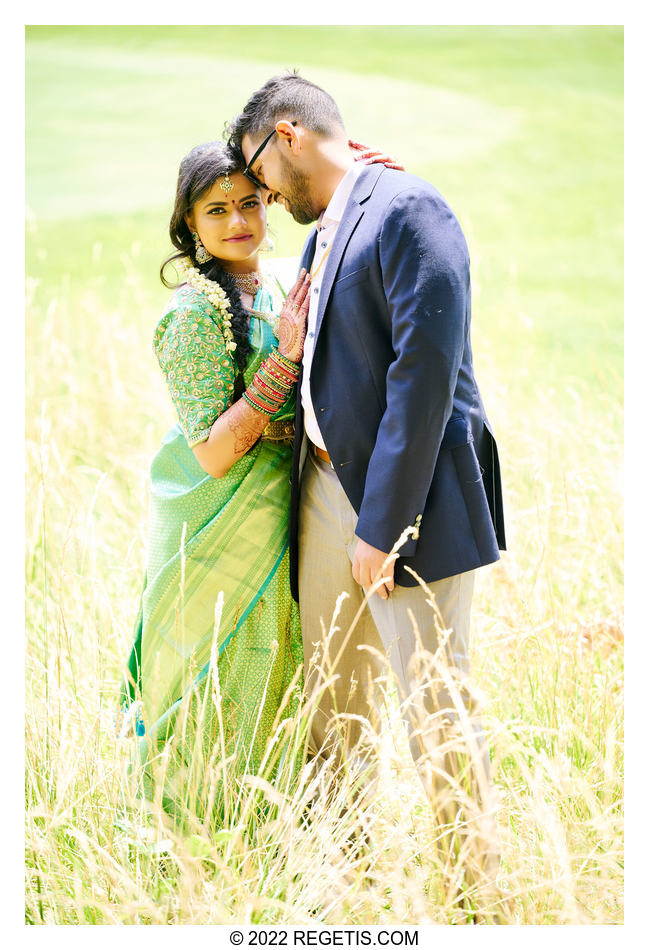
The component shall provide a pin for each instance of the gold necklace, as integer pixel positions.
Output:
(249, 283)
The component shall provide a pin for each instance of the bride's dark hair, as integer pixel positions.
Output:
(198, 171)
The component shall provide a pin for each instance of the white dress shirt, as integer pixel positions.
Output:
(327, 226)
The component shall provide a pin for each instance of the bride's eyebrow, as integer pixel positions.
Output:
(222, 204)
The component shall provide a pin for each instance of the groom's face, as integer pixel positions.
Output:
(287, 183)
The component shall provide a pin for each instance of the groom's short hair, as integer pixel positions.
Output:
(286, 97)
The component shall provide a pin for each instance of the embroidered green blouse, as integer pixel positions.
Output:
(200, 372)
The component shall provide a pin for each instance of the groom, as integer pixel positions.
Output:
(391, 431)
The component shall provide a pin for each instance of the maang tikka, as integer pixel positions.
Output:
(225, 183)
(201, 253)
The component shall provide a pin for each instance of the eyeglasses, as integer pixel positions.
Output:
(248, 172)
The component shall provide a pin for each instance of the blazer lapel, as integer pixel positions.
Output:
(353, 213)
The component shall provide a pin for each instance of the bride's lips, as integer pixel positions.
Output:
(238, 238)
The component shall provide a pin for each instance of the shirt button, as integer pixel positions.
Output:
(324, 244)
(315, 290)
(311, 335)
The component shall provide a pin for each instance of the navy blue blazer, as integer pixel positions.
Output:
(393, 386)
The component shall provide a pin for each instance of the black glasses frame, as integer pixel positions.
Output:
(249, 174)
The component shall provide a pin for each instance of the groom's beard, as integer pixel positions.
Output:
(295, 189)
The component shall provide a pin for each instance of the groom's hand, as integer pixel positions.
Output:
(368, 566)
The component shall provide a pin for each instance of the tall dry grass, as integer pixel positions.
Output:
(547, 661)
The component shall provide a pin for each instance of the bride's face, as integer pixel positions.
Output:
(231, 224)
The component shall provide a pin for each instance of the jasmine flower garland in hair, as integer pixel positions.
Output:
(216, 296)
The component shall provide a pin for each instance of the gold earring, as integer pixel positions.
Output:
(202, 255)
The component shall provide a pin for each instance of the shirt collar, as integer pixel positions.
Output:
(336, 208)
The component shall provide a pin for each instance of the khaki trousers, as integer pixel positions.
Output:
(435, 697)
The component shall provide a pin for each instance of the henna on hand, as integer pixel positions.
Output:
(246, 426)
(287, 335)
(291, 329)
(370, 156)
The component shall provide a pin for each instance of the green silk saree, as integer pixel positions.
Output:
(216, 662)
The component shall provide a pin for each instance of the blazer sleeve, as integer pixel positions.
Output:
(425, 270)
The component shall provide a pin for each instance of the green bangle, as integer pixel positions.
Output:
(261, 406)
(295, 367)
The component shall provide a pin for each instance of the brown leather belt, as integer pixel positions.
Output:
(320, 453)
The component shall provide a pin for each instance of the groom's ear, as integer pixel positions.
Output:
(290, 135)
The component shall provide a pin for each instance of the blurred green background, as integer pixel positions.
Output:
(519, 128)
